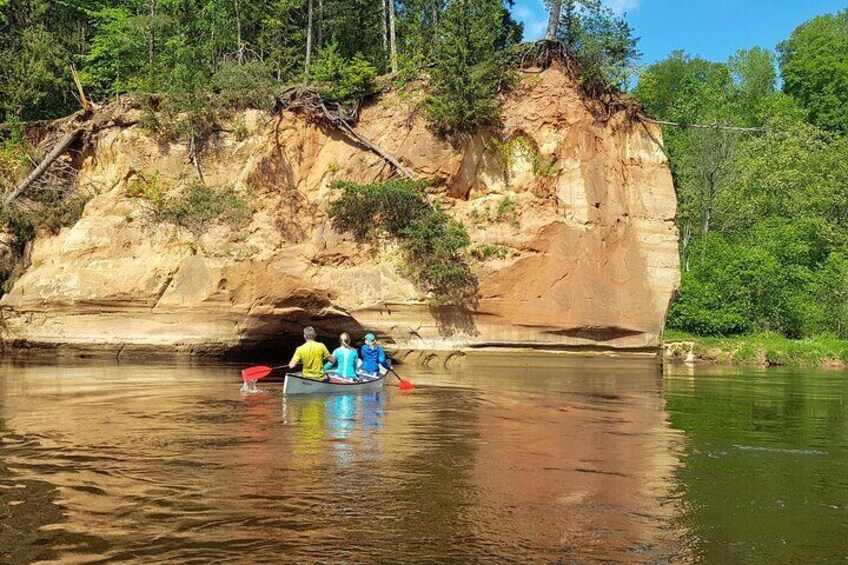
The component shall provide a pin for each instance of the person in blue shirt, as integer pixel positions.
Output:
(346, 358)
(373, 357)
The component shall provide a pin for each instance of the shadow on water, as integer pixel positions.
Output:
(28, 507)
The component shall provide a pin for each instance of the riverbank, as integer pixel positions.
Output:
(761, 349)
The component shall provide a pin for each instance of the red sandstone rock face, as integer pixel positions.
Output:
(586, 256)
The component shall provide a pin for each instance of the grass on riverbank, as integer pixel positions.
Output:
(760, 349)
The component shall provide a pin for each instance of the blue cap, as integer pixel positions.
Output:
(369, 338)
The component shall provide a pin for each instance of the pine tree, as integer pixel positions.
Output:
(602, 42)
(469, 67)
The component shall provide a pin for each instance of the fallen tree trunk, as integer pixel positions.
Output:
(403, 171)
(311, 102)
(42, 167)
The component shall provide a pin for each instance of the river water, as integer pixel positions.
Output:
(498, 460)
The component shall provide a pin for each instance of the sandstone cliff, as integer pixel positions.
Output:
(573, 220)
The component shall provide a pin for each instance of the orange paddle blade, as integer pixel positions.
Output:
(256, 373)
(404, 386)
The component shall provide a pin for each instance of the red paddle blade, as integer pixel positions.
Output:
(256, 373)
(406, 385)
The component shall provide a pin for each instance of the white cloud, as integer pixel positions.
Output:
(622, 6)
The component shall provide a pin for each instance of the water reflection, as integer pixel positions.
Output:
(765, 474)
(345, 420)
(503, 460)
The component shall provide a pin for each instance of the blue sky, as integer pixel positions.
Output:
(713, 29)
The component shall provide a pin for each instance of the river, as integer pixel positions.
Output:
(501, 459)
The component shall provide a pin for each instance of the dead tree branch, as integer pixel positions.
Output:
(311, 102)
(403, 171)
(61, 146)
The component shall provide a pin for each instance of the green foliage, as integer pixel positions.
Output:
(117, 51)
(33, 75)
(773, 259)
(23, 223)
(763, 216)
(234, 53)
(734, 290)
(355, 27)
(600, 41)
(507, 211)
(202, 204)
(767, 348)
(250, 85)
(193, 208)
(469, 69)
(486, 251)
(815, 69)
(755, 76)
(685, 89)
(418, 23)
(13, 156)
(367, 209)
(342, 79)
(432, 241)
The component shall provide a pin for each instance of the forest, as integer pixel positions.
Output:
(757, 144)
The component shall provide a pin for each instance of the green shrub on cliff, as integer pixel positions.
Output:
(432, 241)
(192, 208)
(22, 223)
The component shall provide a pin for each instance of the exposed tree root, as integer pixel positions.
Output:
(600, 97)
(311, 103)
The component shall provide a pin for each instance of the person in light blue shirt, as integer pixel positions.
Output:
(346, 358)
(373, 356)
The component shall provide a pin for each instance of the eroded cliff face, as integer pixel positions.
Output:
(587, 256)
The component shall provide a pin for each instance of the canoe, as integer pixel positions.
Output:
(296, 383)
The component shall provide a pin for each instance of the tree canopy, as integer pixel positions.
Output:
(762, 210)
(763, 216)
(814, 65)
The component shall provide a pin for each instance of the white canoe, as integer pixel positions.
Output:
(296, 383)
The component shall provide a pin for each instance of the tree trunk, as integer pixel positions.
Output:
(388, 157)
(320, 24)
(309, 39)
(385, 28)
(195, 158)
(240, 55)
(553, 19)
(42, 167)
(393, 36)
(710, 203)
(151, 38)
(214, 54)
(435, 21)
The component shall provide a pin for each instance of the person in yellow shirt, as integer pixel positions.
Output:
(312, 356)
